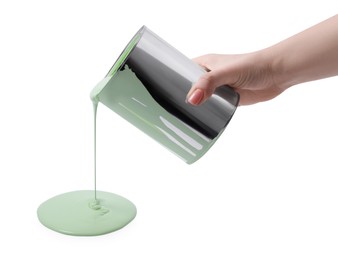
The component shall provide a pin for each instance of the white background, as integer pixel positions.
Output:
(268, 189)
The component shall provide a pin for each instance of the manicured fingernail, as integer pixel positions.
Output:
(196, 97)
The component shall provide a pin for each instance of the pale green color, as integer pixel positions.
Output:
(95, 92)
(87, 213)
(125, 94)
(95, 105)
(77, 213)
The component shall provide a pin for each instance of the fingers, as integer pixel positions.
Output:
(204, 87)
(196, 97)
(203, 61)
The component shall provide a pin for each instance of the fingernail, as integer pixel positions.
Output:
(196, 97)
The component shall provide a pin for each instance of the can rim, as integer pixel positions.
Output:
(123, 57)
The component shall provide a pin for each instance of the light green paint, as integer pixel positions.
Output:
(87, 213)
(77, 213)
(125, 94)
(118, 64)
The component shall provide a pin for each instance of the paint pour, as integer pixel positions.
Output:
(87, 212)
(147, 86)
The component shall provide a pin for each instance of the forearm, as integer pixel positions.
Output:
(307, 56)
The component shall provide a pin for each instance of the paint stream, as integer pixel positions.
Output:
(95, 104)
(87, 212)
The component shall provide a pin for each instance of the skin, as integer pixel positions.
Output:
(262, 75)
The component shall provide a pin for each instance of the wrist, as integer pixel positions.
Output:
(275, 63)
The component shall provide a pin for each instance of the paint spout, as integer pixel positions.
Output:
(94, 94)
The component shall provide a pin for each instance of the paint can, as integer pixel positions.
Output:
(147, 86)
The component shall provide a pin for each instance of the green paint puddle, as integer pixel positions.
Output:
(77, 213)
(87, 212)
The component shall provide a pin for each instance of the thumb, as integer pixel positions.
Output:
(204, 87)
